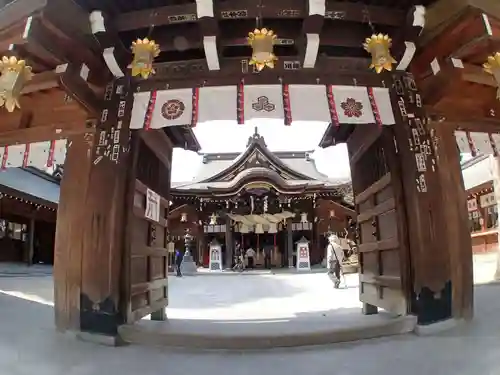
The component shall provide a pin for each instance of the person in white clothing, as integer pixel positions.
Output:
(335, 256)
(250, 253)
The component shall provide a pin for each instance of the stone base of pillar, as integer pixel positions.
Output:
(95, 338)
(432, 308)
(442, 326)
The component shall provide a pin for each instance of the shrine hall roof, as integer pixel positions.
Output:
(294, 170)
(477, 171)
(33, 184)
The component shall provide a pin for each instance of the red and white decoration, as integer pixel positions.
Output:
(159, 109)
(478, 143)
(332, 104)
(39, 154)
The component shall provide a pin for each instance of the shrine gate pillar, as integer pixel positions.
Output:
(424, 185)
(454, 208)
(91, 222)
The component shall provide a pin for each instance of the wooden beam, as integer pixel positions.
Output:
(19, 10)
(406, 48)
(210, 31)
(248, 9)
(463, 30)
(53, 47)
(159, 143)
(338, 34)
(41, 81)
(45, 133)
(311, 30)
(327, 70)
(113, 51)
(73, 80)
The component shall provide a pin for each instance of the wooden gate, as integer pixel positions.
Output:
(383, 246)
(146, 261)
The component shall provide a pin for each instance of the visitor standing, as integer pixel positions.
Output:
(250, 253)
(335, 256)
(268, 249)
(178, 262)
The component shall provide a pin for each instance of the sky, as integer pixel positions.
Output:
(228, 136)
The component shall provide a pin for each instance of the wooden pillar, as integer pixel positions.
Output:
(31, 241)
(289, 242)
(426, 220)
(456, 230)
(496, 190)
(229, 243)
(91, 222)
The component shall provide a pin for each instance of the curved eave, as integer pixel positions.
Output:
(335, 134)
(183, 137)
(243, 158)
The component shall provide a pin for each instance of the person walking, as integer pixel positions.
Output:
(178, 261)
(268, 249)
(250, 253)
(335, 256)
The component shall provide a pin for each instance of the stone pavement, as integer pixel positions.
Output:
(29, 345)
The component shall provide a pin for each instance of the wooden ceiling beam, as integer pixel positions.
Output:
(41, 42)
(341, 35)
(405, 47)
(19, 10)
(248, 9)
(469, 26)
(44, 133)
(41, 81)
(113, 51)
(209, 30)
(311, 30)
(195, 73)
(73, 80)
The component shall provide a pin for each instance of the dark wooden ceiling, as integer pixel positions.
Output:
(122, 6)
(341, 36)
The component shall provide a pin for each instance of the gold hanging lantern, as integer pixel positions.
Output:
(144, 51)
(262, 43)
(213, 219)
(14, 74)
(379, 47)
(493, 67)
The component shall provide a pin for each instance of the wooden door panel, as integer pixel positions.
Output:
(380, 246)
(148, 259)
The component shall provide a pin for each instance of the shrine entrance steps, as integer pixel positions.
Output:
(255, 311)
(238, 335)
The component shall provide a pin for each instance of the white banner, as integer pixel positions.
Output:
(153, 206)
(217, 103)
(263, 101)
(309, 103)
(353, 105)
(472, 205)
(350, 104)
(487, 200)
(481, 142)
(462, 142)
(38, 154)
(383, 101)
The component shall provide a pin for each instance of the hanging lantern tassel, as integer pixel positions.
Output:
(379, 47)
(493, 67)
(144, 51)
(13, 76)
(262, 43)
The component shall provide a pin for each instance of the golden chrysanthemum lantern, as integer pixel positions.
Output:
(492, 66)
(14, 74)
(262, 43)
(144, 51)
(379, 46)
